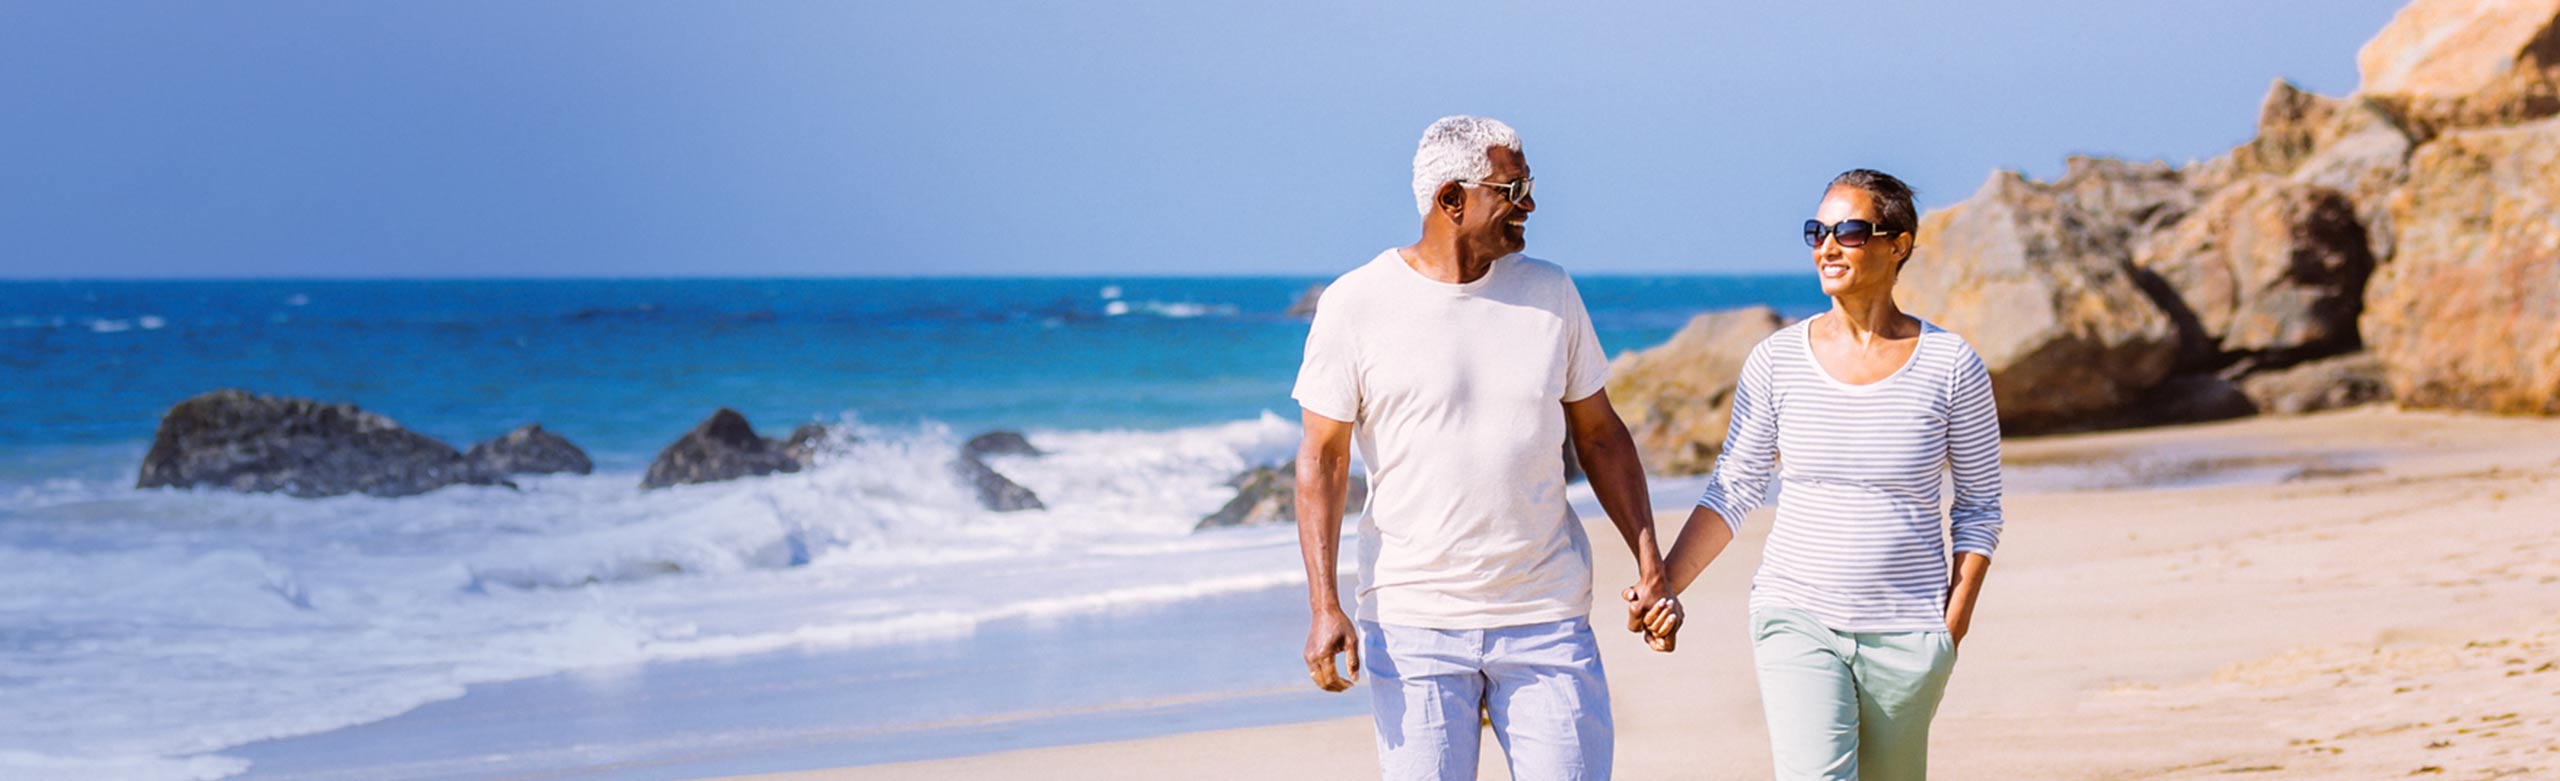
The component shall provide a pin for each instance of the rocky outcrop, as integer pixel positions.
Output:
(725, 447)
(529, 450)
(2467, 314)
(1304, 308)
(995, 491)
(1269, 494)
(2268, 269)
(1676, 398)
(2039, 278)
(2353, 145)
(2329, 383)
(2445, 65)
(240, 441)
(999, 443)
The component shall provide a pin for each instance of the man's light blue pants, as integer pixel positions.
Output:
(1540, 684)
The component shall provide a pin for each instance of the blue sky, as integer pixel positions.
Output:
(473, 139)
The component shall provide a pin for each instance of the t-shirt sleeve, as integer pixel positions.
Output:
(1329, 376)
(1586, 367)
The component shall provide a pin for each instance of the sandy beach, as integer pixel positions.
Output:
(2362, 594)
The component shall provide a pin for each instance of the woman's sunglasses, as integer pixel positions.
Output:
(1851, 233)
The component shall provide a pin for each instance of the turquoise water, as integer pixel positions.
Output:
(154, 634)
(623, 366)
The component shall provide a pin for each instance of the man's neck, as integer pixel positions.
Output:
(1442, 258)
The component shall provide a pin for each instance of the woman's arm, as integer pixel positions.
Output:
(1973, 455)
(1739, 484)
(1970, 569)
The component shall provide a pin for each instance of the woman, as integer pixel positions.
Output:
(1856, 612)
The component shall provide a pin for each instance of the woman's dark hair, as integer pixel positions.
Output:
(1894, 210)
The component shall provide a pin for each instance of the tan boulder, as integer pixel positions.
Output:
(1677, 397)
(2449, 64)
(2039, 278)
(2467, 313)
(2292, 124)
(2329, 383)
(2268, 268)
(2353, 145)
(2365, 155)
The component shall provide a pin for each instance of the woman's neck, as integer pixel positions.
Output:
(1866, 318)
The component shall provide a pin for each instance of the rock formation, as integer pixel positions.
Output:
(529, 450)
(2039, 278)
(1269, 494)
(993, 490)
(2467, 314)
(2268, 267)
(725, 447)
(1304, 308)
(240, 441)
(1676, 398)
(2450, 64)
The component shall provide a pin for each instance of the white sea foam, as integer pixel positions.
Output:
(143, 632)
(1177, 310)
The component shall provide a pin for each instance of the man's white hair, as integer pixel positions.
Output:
(1453, 150)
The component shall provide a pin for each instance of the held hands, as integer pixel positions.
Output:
(1652, 610)
(1330, 634)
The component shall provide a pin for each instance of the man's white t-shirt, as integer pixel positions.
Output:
(1456, 393)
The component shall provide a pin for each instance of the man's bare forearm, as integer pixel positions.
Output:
(1617, 479)
(1323, 479)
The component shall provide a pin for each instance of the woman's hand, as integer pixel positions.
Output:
(1659, 618)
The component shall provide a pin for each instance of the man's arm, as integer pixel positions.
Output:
(1324, 475)
(1609, 462)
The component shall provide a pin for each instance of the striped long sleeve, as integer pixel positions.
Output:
(1750, 455)
(1860, 540)
(1973, 455)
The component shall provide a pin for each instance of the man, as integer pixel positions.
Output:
(1460, 367)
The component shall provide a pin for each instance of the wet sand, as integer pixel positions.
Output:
(2362, 594)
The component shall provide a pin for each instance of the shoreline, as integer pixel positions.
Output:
(2140, 633)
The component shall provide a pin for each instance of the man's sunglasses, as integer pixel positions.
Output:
(1851, 233)
(1517, 192)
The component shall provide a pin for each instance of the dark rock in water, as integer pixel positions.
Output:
(999, 443)
(246, 442)
(1269, 494)
(804, 442)
(1305, 307)
(529, 451)
(995, 491)
(725, 447)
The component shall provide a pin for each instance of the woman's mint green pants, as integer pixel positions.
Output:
(1848, 706)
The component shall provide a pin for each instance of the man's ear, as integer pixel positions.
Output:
(1451, 200)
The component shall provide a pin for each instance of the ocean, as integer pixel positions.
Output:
(865, 610)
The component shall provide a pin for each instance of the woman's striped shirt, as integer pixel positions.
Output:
(1858, 541)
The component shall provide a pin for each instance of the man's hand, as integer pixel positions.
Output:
(1653, 611)
(1329, 634)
